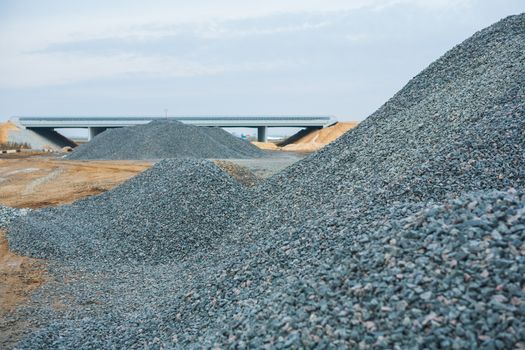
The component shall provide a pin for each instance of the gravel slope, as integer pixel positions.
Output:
(161, 139)
(404, 233)
(457, 126)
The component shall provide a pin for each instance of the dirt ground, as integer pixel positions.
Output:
(19, 276)
(35, 182)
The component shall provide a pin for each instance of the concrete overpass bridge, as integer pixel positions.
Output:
(97, 124)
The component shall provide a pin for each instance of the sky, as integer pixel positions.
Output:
(342, 58)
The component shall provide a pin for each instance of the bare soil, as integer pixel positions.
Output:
(19, 276)
(35, 182)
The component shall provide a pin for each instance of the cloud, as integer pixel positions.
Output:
(70, 42)
(162, 51)
(62, 68)
(156, 34)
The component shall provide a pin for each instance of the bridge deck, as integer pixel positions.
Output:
(204, 120)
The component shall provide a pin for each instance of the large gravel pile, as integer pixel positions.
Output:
(7, 214)
(428, 276)
(404, 233)
(457, 126)
(165, 139)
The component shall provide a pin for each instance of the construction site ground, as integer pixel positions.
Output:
(45, 180)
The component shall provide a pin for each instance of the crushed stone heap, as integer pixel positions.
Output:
(455, 127)
(161, 139)
(163, 213)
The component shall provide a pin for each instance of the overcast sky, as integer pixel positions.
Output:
(224, 57)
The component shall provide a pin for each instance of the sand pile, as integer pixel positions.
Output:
(270, 146)
(319, 138)
(309, 141)
(4, 131)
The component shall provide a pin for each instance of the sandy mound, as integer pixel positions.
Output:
(4, 131)
(305, 141)
(320, 138)
(266, 145)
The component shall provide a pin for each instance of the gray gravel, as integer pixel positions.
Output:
(156, 216)
(404, 233)
(161, 139)
(7, 214)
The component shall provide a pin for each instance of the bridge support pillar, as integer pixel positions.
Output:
(261, 134)
(94, 131)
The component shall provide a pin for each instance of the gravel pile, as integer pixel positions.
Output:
(163, 213)
(440, 275)
(456, 127)
(165, 139)
(7, 214)
(403, 233)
